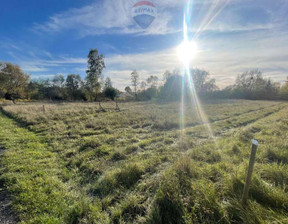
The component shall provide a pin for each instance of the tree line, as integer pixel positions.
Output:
(249, 85)
(15, 84)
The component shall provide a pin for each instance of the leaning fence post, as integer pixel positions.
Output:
(250, 171)
(44, 109)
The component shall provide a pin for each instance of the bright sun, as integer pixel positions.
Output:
(187, 50)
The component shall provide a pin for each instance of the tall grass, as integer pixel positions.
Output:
(136, 166)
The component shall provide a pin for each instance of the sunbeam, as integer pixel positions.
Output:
(186, 52)
(214, 10)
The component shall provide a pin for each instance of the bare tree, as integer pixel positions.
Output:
(143, 85)
(135, 81)
(153, 81)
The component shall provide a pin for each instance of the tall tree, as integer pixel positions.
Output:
(172, 89)
(73, 85)
(96, 65)
(135, 81)
(13, 81)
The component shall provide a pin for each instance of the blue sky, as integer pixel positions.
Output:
(54, 37)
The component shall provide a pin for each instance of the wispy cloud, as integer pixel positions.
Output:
(247, 34)
(101, 18)
(115, 17)
(224, 58)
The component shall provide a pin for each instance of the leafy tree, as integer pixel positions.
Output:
(73, 85)
(43, 89)
(167, 74)
(148, 94)
(135, 81)
(58, 80)
(284, 92)
(107, 83)
(172, 88)
(56, 88)
(110, 92)
(13, 81)
(252, 85)
(32, 90)
(96, 65)
(202, 83)
(152, 91)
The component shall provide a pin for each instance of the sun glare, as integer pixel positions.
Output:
(187, 50)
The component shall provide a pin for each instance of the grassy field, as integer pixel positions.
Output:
(74, 164)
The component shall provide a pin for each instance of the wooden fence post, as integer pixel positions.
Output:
(117, 106)
(250, 171)
(44, 109)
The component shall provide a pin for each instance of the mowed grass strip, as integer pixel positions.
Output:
(32, 174)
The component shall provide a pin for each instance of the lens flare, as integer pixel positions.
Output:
(187, 50)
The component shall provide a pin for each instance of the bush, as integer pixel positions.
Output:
(110, 93)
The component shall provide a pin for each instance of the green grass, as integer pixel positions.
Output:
(34, 175)
(74, 165)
